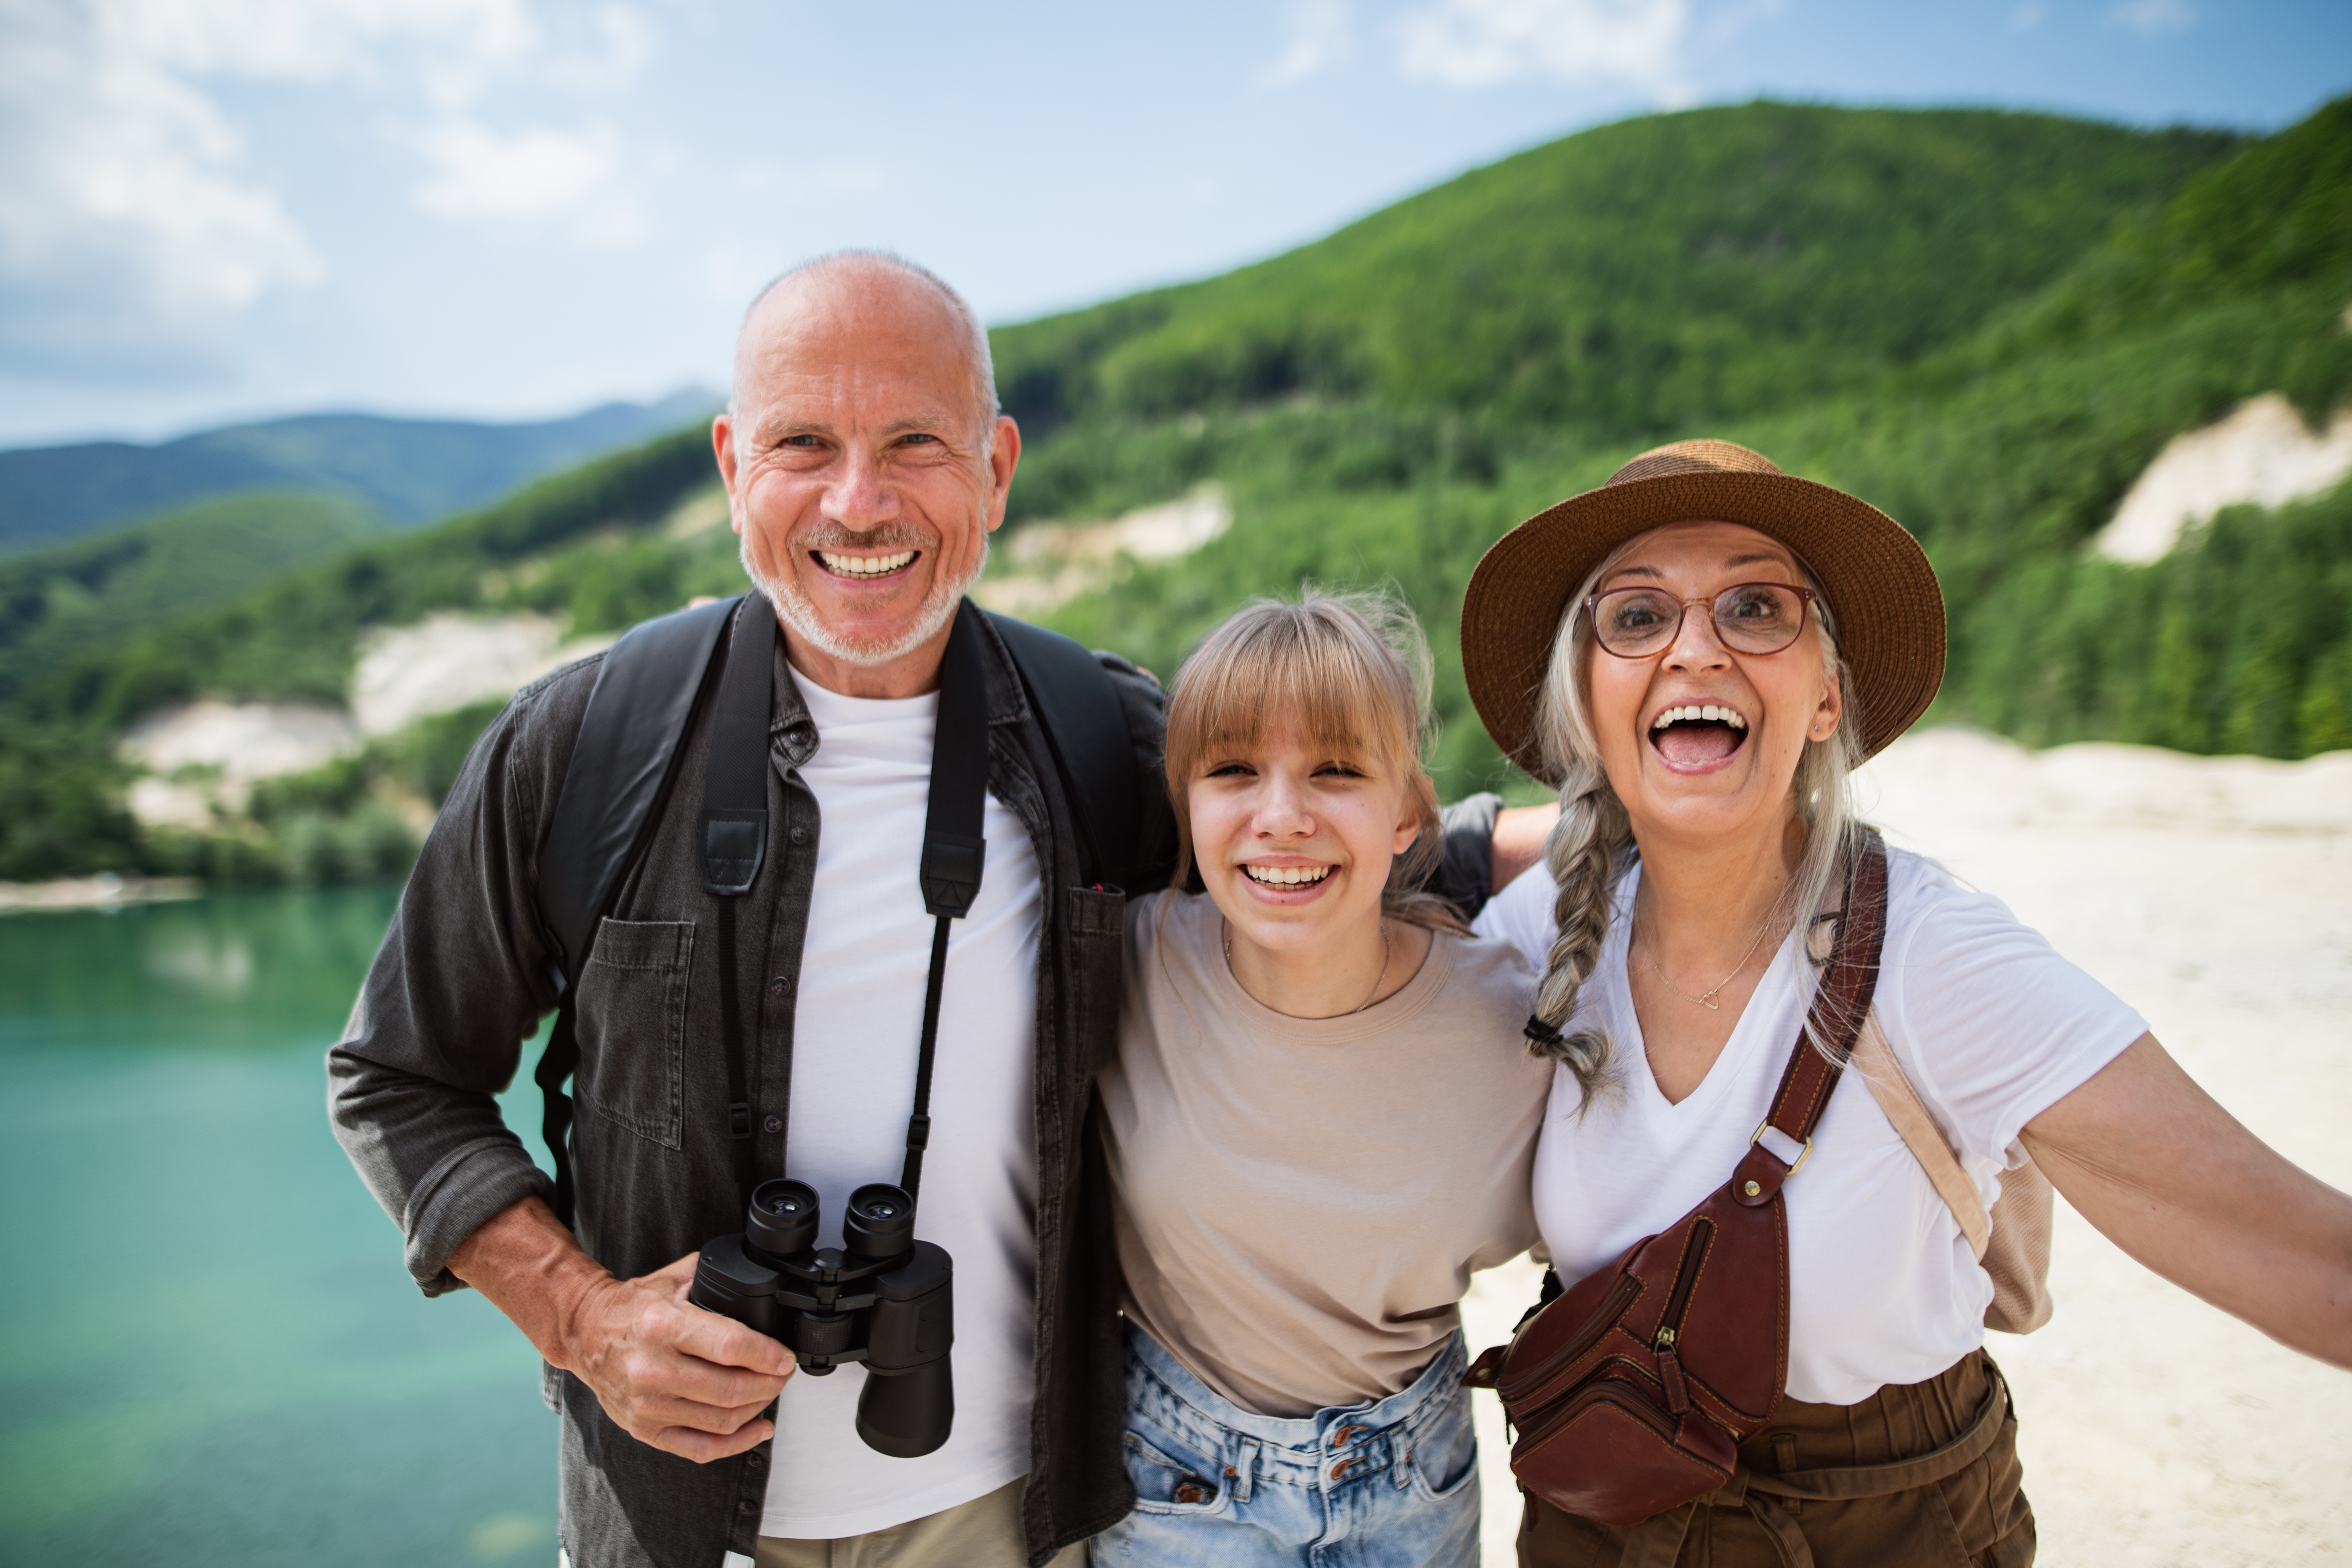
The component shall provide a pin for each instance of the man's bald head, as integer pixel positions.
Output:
(873, 281)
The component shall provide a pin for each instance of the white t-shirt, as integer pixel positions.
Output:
(1992, 1029)
(855, 1033)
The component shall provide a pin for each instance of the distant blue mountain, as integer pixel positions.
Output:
(408, 470)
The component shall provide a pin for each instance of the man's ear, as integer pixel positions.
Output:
(1004, 456)
(722, 448)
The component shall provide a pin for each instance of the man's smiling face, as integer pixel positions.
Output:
(861, 473)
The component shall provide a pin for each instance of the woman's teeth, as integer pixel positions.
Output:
(1285, 876)
(1698, 713)
(864, 566)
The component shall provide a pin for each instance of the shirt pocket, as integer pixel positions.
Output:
(632, 1026)
(1096, 930)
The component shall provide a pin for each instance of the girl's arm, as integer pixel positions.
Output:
(2167, 1174)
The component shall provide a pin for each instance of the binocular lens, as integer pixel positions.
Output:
(784, 1219)
(880, 1221)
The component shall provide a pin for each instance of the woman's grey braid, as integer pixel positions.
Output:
(1584, 855)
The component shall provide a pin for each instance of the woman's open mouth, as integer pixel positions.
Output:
(1698, 737)
(864, 568)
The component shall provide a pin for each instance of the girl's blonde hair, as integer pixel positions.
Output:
(1351, 671)
(1593, 844)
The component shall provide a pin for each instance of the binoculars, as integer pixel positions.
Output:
(882, 1297)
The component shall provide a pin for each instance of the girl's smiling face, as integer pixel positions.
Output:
(1698, 738)
(1294, 840)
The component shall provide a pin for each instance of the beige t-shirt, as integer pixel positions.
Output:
(1300, 1202)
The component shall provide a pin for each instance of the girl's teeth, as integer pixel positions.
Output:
(1285, 876)
(865, 565)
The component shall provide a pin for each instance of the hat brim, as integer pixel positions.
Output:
(1888, 606)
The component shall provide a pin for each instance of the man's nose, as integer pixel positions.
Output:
(860, 497)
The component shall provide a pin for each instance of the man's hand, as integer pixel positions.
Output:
(672, 1375)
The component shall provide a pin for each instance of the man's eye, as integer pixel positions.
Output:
(803, 440)
(915, 437)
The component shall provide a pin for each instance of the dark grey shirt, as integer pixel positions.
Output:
(463, 979)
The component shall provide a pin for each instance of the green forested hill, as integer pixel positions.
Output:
(1988, 323)
(59, 603)
(406, 470)
(1639, 275)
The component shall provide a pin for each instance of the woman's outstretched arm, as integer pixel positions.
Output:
(2179, 1183)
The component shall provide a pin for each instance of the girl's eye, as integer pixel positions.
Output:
(1229, 770)
(1339, 770)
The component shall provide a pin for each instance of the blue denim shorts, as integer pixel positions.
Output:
(1391, 1483)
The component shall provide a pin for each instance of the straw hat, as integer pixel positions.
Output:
(1889, 610)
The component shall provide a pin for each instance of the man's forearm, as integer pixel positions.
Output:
(1520, 833)
(529, 1267)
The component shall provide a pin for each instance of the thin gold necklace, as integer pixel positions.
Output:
(1375, 990)
(1708, 999)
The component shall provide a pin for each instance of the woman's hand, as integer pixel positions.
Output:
(2179, 1183)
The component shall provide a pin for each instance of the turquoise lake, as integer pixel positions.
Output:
(209, 1351)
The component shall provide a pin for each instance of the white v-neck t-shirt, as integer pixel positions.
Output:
(855, 1030)
(1992, 1028)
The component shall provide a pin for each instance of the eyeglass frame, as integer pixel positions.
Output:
(1805, 597)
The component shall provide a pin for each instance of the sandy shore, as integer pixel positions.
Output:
(2216, 896)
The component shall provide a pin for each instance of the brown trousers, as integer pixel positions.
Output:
(983, 1533)
(1921, 1475)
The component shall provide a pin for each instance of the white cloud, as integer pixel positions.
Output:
(476, 172)
(120, 182)
(2154, 18)
(1321, 36)
(131, 220)
(1475, 43)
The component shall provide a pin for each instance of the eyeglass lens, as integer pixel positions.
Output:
(1751, 617)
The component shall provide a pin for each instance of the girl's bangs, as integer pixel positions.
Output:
(1341, 698)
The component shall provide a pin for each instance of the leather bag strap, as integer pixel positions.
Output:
(1839, 1005)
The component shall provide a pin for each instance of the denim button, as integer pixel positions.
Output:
(800, 834)
(756, 1459)
(779, 986)
(774, 1124)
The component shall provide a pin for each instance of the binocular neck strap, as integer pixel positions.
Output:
(734, 836)
(954, 847)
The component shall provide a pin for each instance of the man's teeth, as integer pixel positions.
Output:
(864, 566)
(1285, 876)
(1696, 713)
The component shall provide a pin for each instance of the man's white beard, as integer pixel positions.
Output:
(799, 613)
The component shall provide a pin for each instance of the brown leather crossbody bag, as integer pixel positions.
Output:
(1632, 1391)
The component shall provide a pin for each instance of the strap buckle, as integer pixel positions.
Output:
(1803, 1153)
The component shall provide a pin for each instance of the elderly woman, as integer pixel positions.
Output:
(1698, 654)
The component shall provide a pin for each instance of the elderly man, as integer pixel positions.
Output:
(865, 466)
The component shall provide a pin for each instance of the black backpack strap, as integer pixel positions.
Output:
(734, 834)
(1086, 729)
(623, 765)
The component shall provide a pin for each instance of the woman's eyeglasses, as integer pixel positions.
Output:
(1750, 617)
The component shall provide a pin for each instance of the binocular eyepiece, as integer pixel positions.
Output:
(881, 1298)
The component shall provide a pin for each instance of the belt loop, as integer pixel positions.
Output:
(1243, 1470)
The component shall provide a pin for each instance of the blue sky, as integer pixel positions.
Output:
(221, 209)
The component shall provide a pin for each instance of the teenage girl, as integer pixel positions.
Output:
(1320, 1121)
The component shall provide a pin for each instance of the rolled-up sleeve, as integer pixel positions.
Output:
(461, 980)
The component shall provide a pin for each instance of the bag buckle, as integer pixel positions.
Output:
(1803, 1153)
